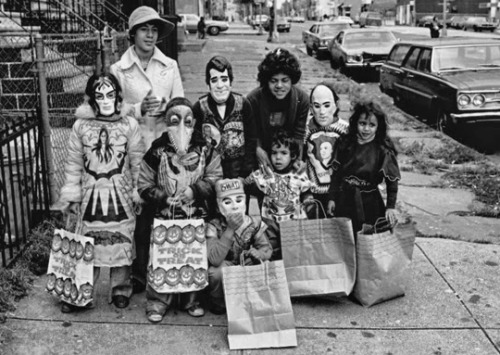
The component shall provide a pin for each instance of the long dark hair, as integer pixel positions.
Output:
(96, 81)
(367, 109)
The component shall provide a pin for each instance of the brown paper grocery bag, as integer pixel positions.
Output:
(319, 256)
(259, 310)
(383, 264)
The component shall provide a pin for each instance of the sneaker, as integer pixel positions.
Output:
(196, 311)
(67, 308)
(154, 317)
(120, 301)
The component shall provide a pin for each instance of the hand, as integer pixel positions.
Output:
(234, 221)
(262, 157)
(267, 172)
(187, 196)
(254, 254)
(173, 201)
(150, 103)
(299, 166)
(331, 208)
(74, 207)
(390, 215)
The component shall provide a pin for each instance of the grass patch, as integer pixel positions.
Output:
(17, 280)
(483, 180)
(456, 154)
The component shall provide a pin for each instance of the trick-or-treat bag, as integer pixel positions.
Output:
(70, 274)
(259, 310)
(384, 256)
(178, 256)
(319, 256)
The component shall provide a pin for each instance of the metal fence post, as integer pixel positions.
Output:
(44, 110)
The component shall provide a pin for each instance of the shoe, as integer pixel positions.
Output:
(120, 301)
(218, 310)
(67, 308)
(196, 311)
(154, 317)
(137, 286)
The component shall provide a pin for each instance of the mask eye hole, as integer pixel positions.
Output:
(189, 121)
(174, 120)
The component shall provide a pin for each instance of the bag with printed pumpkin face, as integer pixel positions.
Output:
(178, 256)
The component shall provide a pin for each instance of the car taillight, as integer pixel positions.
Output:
(478, 100)
(463, 100)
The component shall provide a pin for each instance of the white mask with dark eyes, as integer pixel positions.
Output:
(180, 127)
(105, 98)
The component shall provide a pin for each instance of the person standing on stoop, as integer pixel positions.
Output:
(149, 80)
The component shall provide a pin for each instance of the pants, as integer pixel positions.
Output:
(142, 237)
(215, 285)
(161, 302)
(119, 280)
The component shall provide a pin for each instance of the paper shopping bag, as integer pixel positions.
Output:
(70, 274)
(178, 256)
(259, 310)
(319, 256)
(383, 260)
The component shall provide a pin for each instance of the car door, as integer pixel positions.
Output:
(417, 82)
(391, 74)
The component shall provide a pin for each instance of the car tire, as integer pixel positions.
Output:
(442, 121)
(342, 67)
(214, 31)
(309, 51)
(333, 63)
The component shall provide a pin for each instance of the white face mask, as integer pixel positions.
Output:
(232, 204)
(220, 85)
(105, 98)
(180, 127)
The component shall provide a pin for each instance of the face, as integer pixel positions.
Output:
(280, 157)
(325, 150)
(323, 106)
(220, 85)
(280, 85)
(146, 37)
(367, 127)
(180, 125)
(105, 98)
(233, 204)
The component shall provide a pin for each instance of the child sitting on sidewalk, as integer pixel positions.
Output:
(232, 236)
(282, 186)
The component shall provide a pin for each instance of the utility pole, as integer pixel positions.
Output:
(444, 32)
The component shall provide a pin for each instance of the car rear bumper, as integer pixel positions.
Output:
(476, 117)
(367, 65)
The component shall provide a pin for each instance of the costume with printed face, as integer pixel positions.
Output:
(104, 153)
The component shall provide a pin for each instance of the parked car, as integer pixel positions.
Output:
(213, 27)
(370, 18)
(258, 20)
(425, 21)
(343, 19)
(458, 22)
(299, 19)
(479, 24)
(453, 81)
(360, 49)
(316, 38)
(281, 24)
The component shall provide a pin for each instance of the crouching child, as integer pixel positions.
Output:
(232, 238)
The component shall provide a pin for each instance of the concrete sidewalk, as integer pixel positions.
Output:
(451, 305)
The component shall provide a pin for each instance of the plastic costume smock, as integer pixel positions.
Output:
(103, 159)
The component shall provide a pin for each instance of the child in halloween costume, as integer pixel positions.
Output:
(364, 158)
(283, 187)
(224, 117)
(232, 235)
(322, 133)
(177, 177)
(104, 154)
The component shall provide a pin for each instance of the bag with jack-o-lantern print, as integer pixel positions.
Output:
(178, 256)
(70, 274)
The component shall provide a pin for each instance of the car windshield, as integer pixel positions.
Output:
(466, 57)
(371, 39)
(332, 29)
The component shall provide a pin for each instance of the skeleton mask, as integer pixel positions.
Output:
(105, 98)
(180, 127)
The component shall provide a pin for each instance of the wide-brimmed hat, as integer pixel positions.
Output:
(146, 14)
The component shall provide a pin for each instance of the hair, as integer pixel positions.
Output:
(96, 81)
(220, 64)
(179, 101)
(279, 61)
(329, 86)
(281, 137)
(367, 109)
